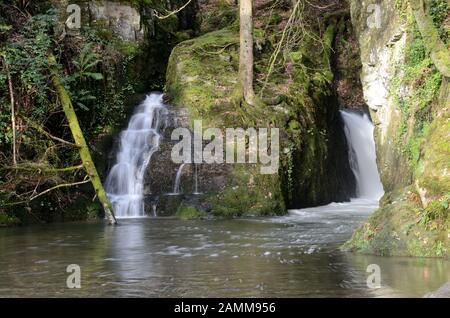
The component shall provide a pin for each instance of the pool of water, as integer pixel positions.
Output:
(293, 256)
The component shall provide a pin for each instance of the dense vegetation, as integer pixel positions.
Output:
(101, 73)
(306, 67)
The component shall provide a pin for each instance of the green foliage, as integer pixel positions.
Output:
(85, 65)
(27, 60)
(188, 212)
(424, 80)
(438, 210)
(220, 17)
(96, 74)
(7, 220)
(440, 11)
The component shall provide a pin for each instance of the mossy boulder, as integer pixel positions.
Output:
(412, 133)
(403, 228)
(202, 76)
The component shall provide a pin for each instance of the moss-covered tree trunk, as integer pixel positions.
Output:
(77, 134)
(439, 53)
(246, 51)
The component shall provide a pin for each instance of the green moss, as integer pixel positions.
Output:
(7, 220)
(202, 76)
(249, 193)
(185, 212)
(424, 81)
(403, 228)
(219, 17)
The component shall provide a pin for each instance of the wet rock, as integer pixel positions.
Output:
(443, 292)
(123, 19)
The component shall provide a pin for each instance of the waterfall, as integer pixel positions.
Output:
(125, 181)
(362, 155)
(196, 180)
(176, 187)
(154, 210)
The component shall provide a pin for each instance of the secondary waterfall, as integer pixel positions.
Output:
(176, 187)
(196, 180)
(125, 182)
(362, 154)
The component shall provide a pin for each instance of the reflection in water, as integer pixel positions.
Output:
(292, 256)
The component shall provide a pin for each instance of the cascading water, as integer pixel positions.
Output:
(176, 187)
(196, 180)
(362, 154)
(125, 182)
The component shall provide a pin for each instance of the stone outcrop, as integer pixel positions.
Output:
(409, 102)
(123, 19)
(382, 50)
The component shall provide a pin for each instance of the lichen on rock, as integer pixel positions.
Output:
(412, 134)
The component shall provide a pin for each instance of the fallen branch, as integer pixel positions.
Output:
(44, 132)
(65, 185)
(39, 168)
(80, 141)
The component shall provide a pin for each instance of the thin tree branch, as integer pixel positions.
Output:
(44, 132)
(65, 185)
(30, 167)
(171, 13)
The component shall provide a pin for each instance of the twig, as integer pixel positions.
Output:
(171, 13)
(65, 185)
(42, 169)
(274, 56)
(44, 132)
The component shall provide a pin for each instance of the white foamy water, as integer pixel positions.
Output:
(362, 154)
(125, 182)
(362, 157)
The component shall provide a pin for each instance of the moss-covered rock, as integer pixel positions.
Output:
(404, 228)
(250, 194)
(188, 212)
(411, 112)
(202, 76)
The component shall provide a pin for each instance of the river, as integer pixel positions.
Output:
(293, 256)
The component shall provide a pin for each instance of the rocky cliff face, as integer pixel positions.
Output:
(409, 102)
(123, 19)
(382, 47)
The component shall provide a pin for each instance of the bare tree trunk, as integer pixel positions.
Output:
(77, 134)
(246, 51)
(13, 111)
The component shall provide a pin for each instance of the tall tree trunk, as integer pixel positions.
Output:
(438, 51)
(77, 134)
(13, 112)
(246, 51)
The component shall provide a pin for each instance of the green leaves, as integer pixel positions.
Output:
(83, 97)
(95, 76)
(86, 62)
(78, 83)
(4, 28)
